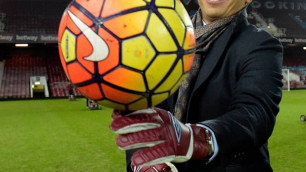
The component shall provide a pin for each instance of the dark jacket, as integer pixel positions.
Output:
(236, 94)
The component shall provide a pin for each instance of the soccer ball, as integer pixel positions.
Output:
(126, 54)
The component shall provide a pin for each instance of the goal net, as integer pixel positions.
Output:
(294, 78)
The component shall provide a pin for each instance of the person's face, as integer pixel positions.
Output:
(216, 9)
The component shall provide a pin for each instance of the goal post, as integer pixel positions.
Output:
(286, 78)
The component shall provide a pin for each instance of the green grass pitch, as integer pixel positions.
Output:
(288, 142)
(57, 136)
(63, 136)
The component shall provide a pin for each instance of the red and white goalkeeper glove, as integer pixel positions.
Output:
(162, 136)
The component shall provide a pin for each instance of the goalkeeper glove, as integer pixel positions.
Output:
(165, 138)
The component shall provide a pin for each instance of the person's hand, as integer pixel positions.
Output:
(162, 136)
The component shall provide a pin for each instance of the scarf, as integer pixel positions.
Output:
(205, 36)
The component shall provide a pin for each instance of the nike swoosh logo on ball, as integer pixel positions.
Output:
(100, 49)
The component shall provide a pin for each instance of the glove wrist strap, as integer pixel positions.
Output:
(209, 140)
(203, 143)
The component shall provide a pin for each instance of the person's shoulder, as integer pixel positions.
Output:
(257, 34)
(249, 36)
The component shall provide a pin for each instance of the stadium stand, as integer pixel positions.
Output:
(17, 71)
(294, 61)
(32, 17)
(24, 63)
(288, 22)
(57, 80)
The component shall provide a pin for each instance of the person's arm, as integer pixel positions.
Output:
(250, 119)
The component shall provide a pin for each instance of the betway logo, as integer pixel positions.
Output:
(6, 38)
(48, 37)
(26, 38)
(100, 48)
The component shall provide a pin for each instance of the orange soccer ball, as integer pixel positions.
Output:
(127, 55)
